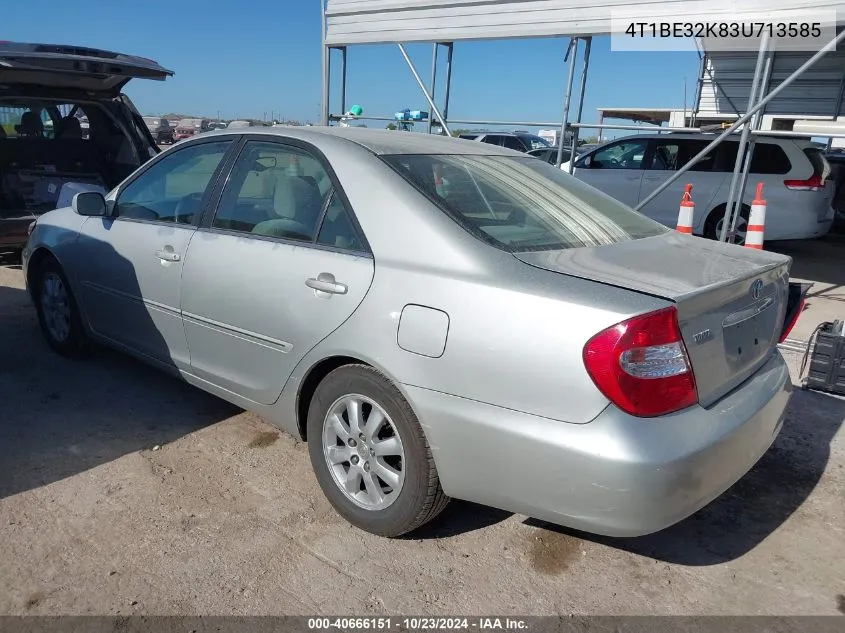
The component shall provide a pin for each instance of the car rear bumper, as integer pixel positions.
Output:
(14, 232)
(617, 475)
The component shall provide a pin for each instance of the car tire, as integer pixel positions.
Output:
(398, 443)
(712, 227)
(58, 313)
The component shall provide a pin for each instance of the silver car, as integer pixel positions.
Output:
(437, 319)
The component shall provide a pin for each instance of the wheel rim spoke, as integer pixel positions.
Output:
(353, 412)
(374, 423)
(374, 492)
(390, 446)
(388, 475)
(55, 306)
(363, 451)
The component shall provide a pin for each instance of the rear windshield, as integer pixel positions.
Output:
(522, 204)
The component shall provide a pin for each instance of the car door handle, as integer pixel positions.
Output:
(168, 256)
(325, 282)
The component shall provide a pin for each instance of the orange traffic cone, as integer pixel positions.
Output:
(757, 220)
(686, 212)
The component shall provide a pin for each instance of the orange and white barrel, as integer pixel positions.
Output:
(687, 211)
(757, 220)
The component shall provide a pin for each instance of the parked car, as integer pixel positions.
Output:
(794, 173)
(515, 338)
(549, 154)
(160, 129)
(65, 125)
(519, 141)
(189, 127)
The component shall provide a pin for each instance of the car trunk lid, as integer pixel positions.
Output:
(731, 301)
(75, 67)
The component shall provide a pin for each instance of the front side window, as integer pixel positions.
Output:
(623, 155)
(275, 190)
(173, 188)
(522, 204)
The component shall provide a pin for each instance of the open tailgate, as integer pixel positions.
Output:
(60, 66)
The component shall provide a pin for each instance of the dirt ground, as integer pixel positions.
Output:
(124, 491)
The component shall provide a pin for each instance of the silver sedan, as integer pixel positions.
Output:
(437, 319)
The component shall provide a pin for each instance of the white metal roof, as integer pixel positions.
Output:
(382, 21)
(728, 81)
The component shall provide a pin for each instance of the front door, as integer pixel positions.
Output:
(130, 275)
(616, 169)
(280, 266)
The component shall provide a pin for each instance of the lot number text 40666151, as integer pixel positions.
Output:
(417, 624)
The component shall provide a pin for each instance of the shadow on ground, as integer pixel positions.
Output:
(60, 417)
(756, 505)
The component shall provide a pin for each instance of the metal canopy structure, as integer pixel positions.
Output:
(742, 84)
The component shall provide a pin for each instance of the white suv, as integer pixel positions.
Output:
(793, 171)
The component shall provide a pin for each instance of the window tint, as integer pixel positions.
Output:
(337, 229)
(672, 154)
(665, 155)
(275, 190)
(492, 139)
(173, 188)
(769, 158)
(522, 204)
(511, 142)
(623, 155)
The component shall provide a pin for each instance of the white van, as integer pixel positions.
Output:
(793, 171)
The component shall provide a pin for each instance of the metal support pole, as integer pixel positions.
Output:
(343, 80)
(422, 87)
(765, 82)
(831, 45)
(588, 44)
(698, 89)
(571, 53)
(732, 208)
(433, 81)
(451, 46)
(324, 110)
(601, 125)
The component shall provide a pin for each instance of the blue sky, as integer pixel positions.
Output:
(248, 59)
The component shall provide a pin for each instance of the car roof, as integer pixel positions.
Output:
(381, 142)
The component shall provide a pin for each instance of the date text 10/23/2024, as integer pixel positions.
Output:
(416, 624)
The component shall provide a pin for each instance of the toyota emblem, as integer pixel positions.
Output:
(756, 288)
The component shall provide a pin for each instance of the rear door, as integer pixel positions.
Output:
(667, 155)
(280, 265)
(616, 169)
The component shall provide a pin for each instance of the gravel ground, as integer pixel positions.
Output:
(123, 491)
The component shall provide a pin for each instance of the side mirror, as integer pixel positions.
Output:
(89, 203)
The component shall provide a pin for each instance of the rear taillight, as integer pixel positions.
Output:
(641, 365)
(814, 183)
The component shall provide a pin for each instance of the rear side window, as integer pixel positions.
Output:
(511, 142)
(769, 158)
(522, 204)
(492, 139)
(469, 137)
